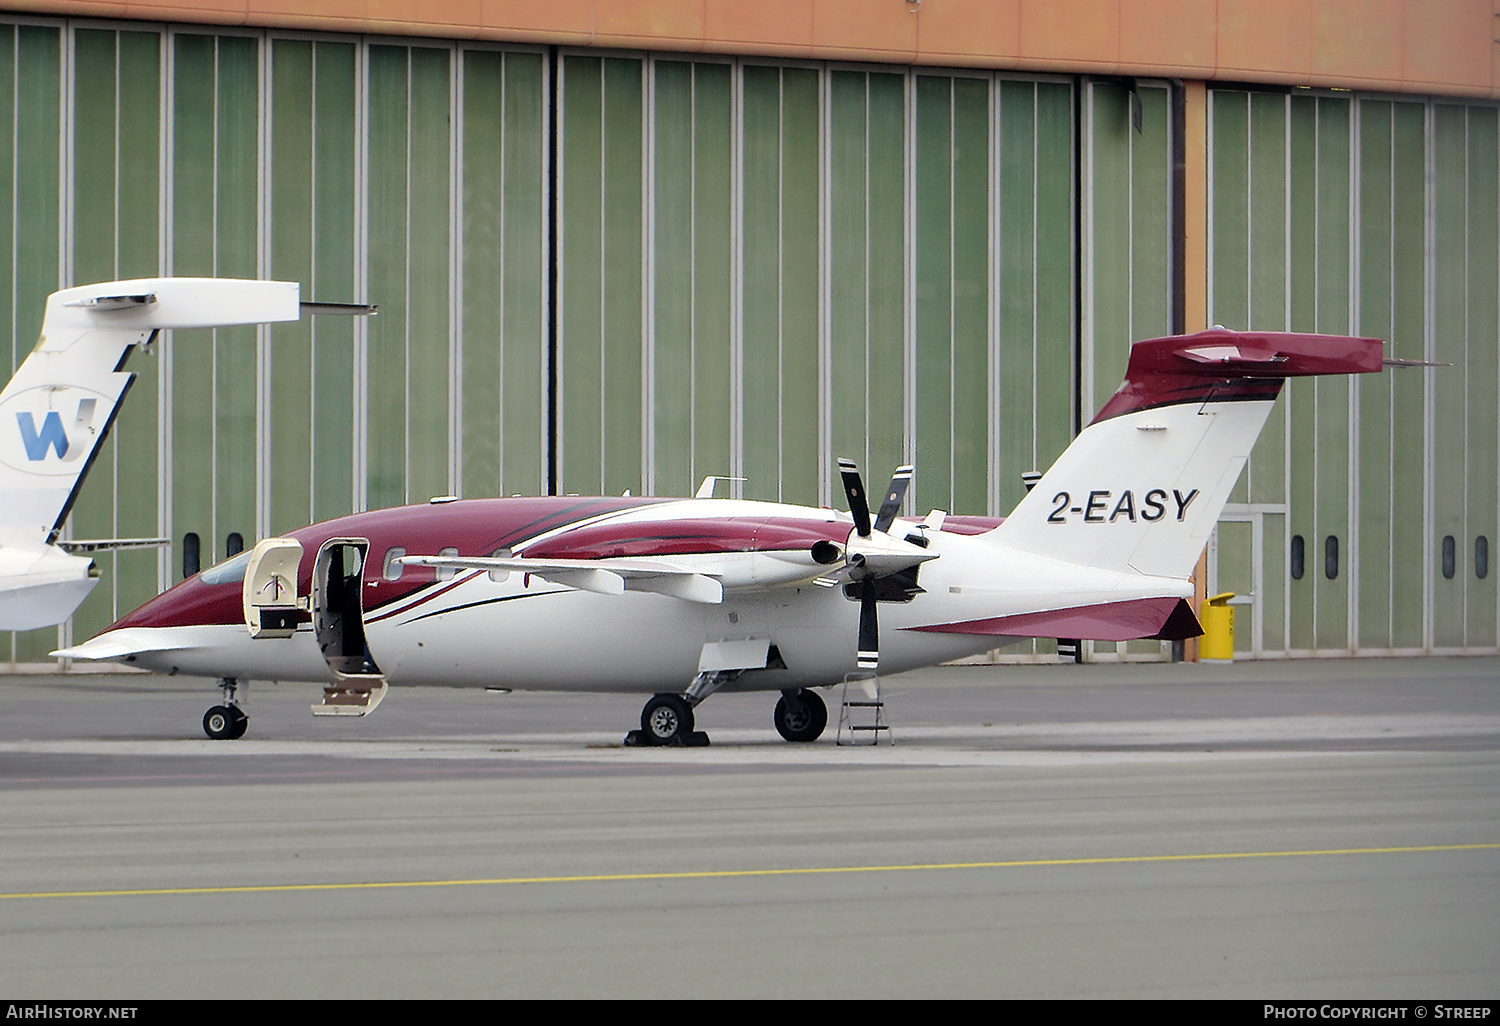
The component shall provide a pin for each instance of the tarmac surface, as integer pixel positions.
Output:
(1276, 830)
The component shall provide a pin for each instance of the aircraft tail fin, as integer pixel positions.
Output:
(62, 401)
(59, 406)
(1141, 487)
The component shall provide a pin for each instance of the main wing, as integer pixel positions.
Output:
(604, 576)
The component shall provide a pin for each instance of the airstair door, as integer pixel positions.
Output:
(339, 624)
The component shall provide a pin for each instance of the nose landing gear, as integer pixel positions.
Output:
(227, 722)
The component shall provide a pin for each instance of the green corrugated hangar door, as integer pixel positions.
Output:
(1365, 518)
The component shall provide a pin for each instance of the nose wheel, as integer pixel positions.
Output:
(227, 722)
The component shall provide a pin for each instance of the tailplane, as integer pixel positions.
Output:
(1140, 489)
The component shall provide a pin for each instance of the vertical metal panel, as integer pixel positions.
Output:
(502, 252)
(1481, 378)
(970, 459)
(932, 243)
(761, 247)
(1410, 547)
(1264, 480)
(523, 325)
(601, 269)
(388, 230)
(191, 198)
(781, 172)
(1107, 324)
(866, 222)
(1450, 343)
(802, 172)
(483, 226)
(114, 149)
(673, 285)
(293, 216)
(1331, 274)
(236, 255)
(429, 336)
(1127, 246)
(622, 368)
(1300, 397)
(337, 275)
(580, 261)
(14, 347)
(33, 121)
(1371, 556)
(713, 269)
(848, 271)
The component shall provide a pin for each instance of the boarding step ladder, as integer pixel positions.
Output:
(862, 714)
(351, 694)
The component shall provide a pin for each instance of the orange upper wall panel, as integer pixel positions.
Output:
(1425, 46)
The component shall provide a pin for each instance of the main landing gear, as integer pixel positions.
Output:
(667, 719)
(227, 722)
(800, 715)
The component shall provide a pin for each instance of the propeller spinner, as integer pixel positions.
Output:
(872, 554)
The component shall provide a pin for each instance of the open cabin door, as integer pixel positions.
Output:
(339, 625)
(271, 604)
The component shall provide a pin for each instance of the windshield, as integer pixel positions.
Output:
(231, 571)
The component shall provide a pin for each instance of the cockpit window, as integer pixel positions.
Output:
(231, 571)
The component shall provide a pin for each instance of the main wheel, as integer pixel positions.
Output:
(225, 723)
(667, 718)
(800, 715)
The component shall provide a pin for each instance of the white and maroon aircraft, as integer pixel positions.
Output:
(60, 404)
(679, 598)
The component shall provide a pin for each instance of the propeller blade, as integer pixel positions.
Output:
(854, 490)
(894, 496)
(869, 629)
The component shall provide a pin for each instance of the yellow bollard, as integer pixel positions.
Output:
(1218, 629)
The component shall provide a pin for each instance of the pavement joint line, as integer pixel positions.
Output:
(742, 873)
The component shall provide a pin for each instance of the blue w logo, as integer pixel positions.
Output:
(52, 435)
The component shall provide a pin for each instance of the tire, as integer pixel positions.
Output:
(800, 716)
(241, 723)
(224, 723)
(667, 718)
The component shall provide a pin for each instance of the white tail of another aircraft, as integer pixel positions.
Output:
(60, 404)
(1140, 489)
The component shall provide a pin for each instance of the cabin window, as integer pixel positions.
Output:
(447, 573)
(391, 569)
(1450, 560)
(234, 544)
(1331, 557)
(1299, 557)
(1481, 557)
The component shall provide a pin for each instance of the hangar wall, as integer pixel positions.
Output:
(1364, 520)
(610, 270)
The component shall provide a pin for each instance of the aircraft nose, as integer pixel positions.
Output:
(191, 603)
